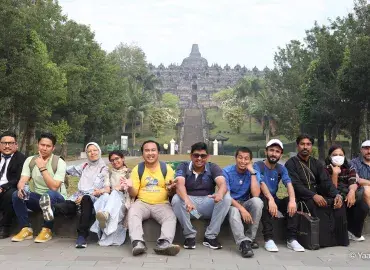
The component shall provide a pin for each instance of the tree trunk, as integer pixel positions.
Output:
(328, 136)
(23, 141)
(30, 134)
(250, 124)
(267, 130)
(355, 135)
(334, 133)
(366, 124)
(133, 132)
(63, 150)
(321, 141)
(141, 123)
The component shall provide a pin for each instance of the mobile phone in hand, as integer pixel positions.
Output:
(195, 213)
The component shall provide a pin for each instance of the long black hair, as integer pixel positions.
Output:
(331, 150)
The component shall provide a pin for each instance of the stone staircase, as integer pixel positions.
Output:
(193, 129)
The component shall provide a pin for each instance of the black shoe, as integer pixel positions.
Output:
(246, 249)
(164, 247)
(189, 243)
(4, 232)
(81, 242)
(254, 244)
(211, 243)
(138, 247)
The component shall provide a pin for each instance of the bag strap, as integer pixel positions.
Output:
(54, 163)
(141, 168)
(307, 168)
(163, 166)
(32, 163)
(301, 204)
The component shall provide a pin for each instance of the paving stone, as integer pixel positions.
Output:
(306, 267)
(98, 258)
(59, 263)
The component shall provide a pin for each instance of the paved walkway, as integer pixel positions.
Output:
(60, 253)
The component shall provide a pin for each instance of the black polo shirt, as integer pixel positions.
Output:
(202, 184)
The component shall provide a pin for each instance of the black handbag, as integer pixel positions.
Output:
(308, 228)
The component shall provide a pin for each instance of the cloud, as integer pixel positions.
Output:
(234, 31)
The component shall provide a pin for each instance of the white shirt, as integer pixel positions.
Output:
(4, 179)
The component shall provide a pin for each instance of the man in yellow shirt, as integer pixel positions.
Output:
(150, 182)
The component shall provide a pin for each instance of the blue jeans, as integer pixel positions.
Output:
(20, 207)
(207, 208)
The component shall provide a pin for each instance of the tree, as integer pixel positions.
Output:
(355, 84)
(61, 130)
(137, 101)
(161, 118)
(40, 86)
(132, 61)
(235, 116)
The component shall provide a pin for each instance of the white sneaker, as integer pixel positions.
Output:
(270, 246)
(352, 237)
(294, 245)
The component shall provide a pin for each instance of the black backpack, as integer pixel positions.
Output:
(141, 168)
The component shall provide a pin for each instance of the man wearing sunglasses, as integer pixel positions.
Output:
(196, 196)
(11, 164)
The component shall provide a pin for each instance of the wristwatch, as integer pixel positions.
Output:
(254, 173)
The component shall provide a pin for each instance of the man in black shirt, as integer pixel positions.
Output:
(313, 186)
(11, 164)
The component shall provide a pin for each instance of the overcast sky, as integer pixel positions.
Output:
(245, 32)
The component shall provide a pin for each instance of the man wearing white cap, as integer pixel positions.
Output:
(362, 164)
(362, 167)
(271, 174)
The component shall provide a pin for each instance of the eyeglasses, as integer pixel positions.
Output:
(203, 156)
(7, 143)
(114, 159)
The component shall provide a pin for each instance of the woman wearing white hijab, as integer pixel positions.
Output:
(90, 187)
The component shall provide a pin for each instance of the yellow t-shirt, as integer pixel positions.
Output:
(152, 188)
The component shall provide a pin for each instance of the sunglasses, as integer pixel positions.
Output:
(203, 156)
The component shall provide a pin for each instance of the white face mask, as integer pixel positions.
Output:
(337, 160)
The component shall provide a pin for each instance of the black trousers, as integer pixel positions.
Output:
(70, 209)
(6, 206)
(87, 210)
(356, 216)
(266, 219)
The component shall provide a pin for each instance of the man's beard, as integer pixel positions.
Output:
(305, 153)
(272, 161)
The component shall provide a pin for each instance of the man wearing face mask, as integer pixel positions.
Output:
(271, 174)
(313, 186)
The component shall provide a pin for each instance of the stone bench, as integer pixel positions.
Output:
(66, 227)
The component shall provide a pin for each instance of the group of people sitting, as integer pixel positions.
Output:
(245, 193)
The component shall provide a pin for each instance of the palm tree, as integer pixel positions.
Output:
(137, 104)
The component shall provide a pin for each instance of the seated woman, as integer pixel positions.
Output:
(90, 187)
(111, 208)
(356, 197)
